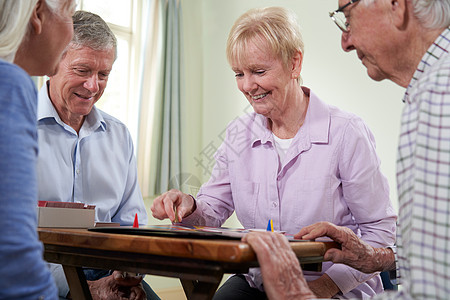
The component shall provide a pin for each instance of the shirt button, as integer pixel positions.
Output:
(274, 204)
(78, 171)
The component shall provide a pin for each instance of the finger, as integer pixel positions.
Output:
(179, 215)
(129, 281)
(185, 206)
(256, 241)
(334, 255)
(323, 229)
(118, 274)
(138, 293)
(170, 206)
(312, 231)
(133, 295)
(263, 243)
(157, 208)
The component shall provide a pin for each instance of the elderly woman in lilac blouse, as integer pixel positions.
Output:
(295, 160)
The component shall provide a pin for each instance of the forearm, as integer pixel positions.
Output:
(324, 287)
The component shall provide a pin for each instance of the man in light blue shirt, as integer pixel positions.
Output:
(86, 155)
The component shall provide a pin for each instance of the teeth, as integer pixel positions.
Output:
(84, 97)
(259, 96)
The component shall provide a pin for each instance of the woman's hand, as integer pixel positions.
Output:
(174, 205)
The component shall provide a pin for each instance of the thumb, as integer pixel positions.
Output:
(333, 255)
(118, 275)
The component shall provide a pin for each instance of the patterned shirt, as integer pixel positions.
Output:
(423, 178)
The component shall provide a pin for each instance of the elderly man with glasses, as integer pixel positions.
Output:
(407, 42)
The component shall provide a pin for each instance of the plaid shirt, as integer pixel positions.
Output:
(423, 179)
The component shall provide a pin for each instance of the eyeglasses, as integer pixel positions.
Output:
(339, 17)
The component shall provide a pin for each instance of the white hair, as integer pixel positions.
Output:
(15, 22)
(432, 14)
(14, 18)
(59, 6)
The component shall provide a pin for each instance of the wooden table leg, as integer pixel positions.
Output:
(196, 290)
(78, 285)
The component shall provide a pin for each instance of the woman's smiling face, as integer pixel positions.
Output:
(264, 80)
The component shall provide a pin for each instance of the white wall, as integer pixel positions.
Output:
(337, 77)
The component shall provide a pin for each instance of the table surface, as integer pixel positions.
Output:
(215, 250)
(201, 261)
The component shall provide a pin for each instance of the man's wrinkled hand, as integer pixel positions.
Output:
(118, 286)
(354, 251)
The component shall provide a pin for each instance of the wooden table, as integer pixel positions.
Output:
(200, 264)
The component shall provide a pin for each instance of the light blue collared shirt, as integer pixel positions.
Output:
(96, 166)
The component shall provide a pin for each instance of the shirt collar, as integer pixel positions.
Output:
(46, 110)
(315, 128)
(438, 49)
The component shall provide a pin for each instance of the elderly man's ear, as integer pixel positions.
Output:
(38, 16)
(400, 13)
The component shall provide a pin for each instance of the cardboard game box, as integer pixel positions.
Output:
(65, 214)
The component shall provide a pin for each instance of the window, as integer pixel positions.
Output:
(121, 96)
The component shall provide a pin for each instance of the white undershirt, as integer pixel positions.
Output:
(282, 146)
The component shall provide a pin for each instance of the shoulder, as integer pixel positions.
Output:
(344, 117)
(114, 126)
(17, 87)
(321, 110)
(13, 76)
(348, 125)
(436, 79)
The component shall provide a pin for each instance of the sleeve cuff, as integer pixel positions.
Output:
(347, 278)
(394, 274)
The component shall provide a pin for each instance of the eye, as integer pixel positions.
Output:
(259, 72)
(347, 21)
(103, 75)
(237, 75)
(80, 71)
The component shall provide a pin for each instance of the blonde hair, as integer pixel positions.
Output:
(14, 18)
(272, 27)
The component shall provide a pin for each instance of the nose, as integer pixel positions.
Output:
(346, 42)
(249, 84)
(91, 83)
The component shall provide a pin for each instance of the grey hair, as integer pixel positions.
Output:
(14, 18)
(432, 14)
(92, 31)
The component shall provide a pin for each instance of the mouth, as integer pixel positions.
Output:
(84, 97)
(256, 98)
